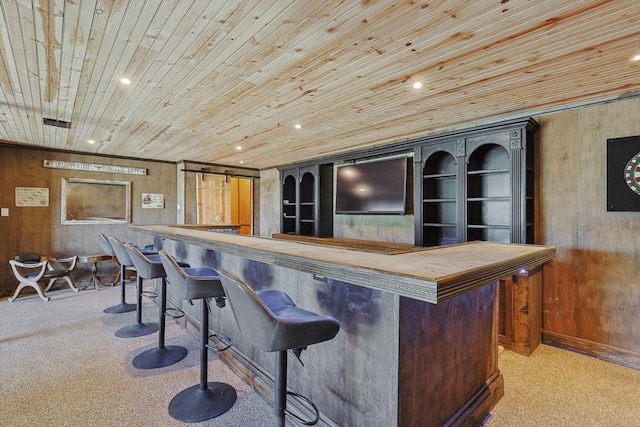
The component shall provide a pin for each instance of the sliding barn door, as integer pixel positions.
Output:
(225, 200)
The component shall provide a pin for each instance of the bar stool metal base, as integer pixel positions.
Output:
(120, 308)
(137, 330)
(123, 307)
(159, 357)
(194, 404)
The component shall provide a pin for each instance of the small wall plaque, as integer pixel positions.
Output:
(152, 201)
(32, 197)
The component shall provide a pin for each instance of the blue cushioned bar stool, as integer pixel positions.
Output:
(139, 328)
(162, 355)
(123, 307)
(205, 400)
(273, 323)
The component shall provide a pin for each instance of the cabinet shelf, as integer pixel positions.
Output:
(438, 224)
(488, 172)
(439, 176)
(439, 200)
(489, 199)
(489, 226)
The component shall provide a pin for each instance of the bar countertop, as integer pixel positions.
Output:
(432, 275)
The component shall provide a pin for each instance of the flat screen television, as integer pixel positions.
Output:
(377, 187)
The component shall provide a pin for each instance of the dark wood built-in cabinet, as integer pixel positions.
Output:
(476, 186)
(472, 184)
(307, 200)
(479, 185)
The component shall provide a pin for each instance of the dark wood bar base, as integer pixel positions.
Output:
(400, 359)
(448, 368)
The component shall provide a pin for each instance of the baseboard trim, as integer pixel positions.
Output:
(609, 353)
(479, 405)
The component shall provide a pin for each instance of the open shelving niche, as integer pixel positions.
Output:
(307, 200)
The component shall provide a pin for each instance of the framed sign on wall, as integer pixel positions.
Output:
(623, 174)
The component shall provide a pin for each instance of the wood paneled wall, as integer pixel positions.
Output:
(591, 291)
(38, 229)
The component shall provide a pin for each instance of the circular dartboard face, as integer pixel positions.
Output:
(632, 173)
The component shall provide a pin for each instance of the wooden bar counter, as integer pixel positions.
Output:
(418, 338)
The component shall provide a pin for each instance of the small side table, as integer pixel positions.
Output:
(94, 259)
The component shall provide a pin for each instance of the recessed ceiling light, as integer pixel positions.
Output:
(91, 141)
(241, 162)
(417, 85)
(238, 148)
(298, 126)
(125, 81)
(635, 58)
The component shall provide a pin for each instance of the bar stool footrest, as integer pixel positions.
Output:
(305, 402)
(149, 294)
(223, 341)
(169, 313)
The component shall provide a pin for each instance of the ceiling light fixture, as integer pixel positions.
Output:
(125, 81)
(635, 58)
(91, 141)
(417, 85)
(298, 126)
(238, 148)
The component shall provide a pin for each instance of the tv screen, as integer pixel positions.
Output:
(378, 187)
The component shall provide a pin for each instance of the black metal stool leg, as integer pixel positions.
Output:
(162, 355)
(123, 307)
(205, 400)
(280, 397)
(139, 328)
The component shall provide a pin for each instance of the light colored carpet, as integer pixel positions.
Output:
(63, 366)
(559, 388)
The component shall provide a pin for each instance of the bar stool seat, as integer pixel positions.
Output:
(150, 267)
(205, 400)
(139, 328)
(123, 306)
(273, 323)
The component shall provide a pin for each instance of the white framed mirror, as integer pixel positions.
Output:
(95, 201)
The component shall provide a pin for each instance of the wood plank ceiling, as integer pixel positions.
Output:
(211, 76)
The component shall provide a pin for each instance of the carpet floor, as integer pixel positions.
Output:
(63, 366)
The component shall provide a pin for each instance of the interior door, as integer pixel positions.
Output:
(225, 200)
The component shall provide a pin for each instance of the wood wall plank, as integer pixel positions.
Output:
(38, 229)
